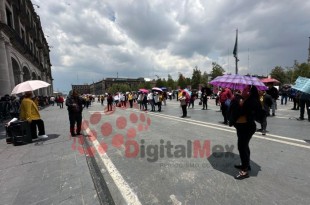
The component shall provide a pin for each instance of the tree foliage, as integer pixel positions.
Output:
(160, 83)
(302, 70)
(119, 88)
(196, 78)
(279, 73)
(170, 82)
(204, 78)
(217, 70)
(289, 75)
(181, 81)
(145, 85)
(188, 82)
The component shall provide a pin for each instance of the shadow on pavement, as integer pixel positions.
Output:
(225, 161)
(2, 131)
(41, 141)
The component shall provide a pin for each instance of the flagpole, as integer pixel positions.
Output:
(236, 52)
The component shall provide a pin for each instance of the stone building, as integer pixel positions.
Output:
(24, 51)
(82, 89)
(101, 87)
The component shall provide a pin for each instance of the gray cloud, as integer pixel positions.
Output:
(100, 38)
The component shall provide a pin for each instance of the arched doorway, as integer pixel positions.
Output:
(26, 74)
(16, 72)
(33, 76)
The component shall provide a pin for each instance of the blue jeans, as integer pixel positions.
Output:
(284, 97)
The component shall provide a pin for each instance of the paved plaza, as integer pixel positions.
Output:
(135, 157)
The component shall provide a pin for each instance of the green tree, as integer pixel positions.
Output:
(160, 83)
(188, 81)
(302, 70)
(204, 78)
(290, 75)
(170, 82)
(181, 81)
(164, 82)
(119, 88)
(279, 73)
(196, 78)
(217, 70)
(145, 85)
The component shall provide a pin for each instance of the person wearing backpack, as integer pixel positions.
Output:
(110, 101)
(75, 104)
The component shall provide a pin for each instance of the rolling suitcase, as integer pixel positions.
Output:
(18, 132)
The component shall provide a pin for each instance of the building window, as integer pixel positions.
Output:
(22, 33)
(9, 18)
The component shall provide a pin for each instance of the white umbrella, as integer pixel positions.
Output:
(29, 85)
(157, 89)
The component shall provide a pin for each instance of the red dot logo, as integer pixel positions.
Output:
(121, 123)
(95, 118)
(118, 140)
(106, 129)
(131, 132)
(142, 117)
(133, 118)
(126, 130)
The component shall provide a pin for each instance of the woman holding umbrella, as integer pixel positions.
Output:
(243, 111)
(29, 112)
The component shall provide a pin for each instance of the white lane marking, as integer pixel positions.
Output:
(231, 128)
(128, 194)
(214, 126)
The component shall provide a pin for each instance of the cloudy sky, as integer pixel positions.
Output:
(94, 39)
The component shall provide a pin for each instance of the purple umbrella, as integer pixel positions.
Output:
(238, 82)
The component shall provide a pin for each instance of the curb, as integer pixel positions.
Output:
(102, 189)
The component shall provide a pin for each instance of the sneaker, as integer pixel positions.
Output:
(43, 136)
(242, 175)
(300, 118)
(263, 132)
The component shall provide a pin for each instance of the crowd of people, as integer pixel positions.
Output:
(239, 108)
(26, 108)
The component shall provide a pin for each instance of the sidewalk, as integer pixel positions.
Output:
(45, 171)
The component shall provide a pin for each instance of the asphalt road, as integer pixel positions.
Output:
(160, 158)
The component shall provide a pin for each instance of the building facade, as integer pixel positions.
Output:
(82, 89)
(24, 51)
(102, 86)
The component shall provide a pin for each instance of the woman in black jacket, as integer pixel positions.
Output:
(75, 107)
(243, 111)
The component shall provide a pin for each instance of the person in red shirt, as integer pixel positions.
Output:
(61, 102)
(225, 98)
